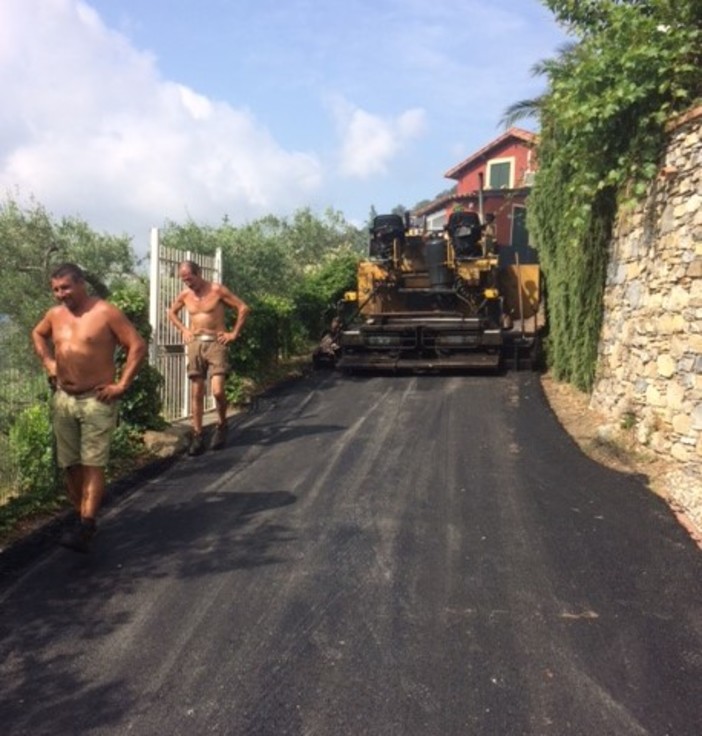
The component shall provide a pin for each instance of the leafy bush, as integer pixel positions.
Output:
(127, 445)
(141, 406)
(235, 389)
(269, 334)
(31, 446)
(317, 296)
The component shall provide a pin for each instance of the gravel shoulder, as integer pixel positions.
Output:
(615, 448)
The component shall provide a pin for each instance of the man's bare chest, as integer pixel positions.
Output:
(203, 305)
(81, 333)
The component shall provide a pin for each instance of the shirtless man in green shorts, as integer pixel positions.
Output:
(206, 341)
(76, 341)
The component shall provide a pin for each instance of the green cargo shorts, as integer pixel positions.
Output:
(83, 427)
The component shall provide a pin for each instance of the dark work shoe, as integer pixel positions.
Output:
(79, 537)
(219, 438)
(197, 446)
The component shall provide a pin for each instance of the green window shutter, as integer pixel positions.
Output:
(500, 175)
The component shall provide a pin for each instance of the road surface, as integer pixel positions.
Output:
(390, 556)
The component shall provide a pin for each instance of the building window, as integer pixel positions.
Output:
(499, 173)
(436, 220)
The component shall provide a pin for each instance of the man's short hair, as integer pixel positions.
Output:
(193, 267)
(68, 269)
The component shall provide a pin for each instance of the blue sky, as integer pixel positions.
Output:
(129, 113)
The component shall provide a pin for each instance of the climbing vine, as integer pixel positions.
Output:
(632, 66)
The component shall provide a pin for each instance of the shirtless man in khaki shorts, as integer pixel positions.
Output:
(76, 341)
(206, 341)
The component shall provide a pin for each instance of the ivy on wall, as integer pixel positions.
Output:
(633, 65)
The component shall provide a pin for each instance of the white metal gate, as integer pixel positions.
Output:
(167, 352)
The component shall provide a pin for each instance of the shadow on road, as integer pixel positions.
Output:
(90, 600)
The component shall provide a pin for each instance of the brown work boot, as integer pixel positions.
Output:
(79, 537)
(197, 446)
(219, 438)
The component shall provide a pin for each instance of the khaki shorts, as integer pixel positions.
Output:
(207, 355)
(83, 427)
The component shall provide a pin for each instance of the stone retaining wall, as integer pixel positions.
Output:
(650, 355)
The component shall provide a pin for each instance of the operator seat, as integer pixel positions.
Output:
(385, 230)
(464, 231)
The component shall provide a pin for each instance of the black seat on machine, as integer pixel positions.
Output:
(465, 231)
(385, 230)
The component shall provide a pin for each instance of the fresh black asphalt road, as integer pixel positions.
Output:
(383, 555)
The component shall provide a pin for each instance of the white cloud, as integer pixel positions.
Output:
(369, 142)
(93, 125)
(90, 128)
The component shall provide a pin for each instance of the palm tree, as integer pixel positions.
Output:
(549, 68)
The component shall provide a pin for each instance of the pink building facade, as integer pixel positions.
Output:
(494, 180)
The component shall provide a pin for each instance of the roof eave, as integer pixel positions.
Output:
(519, 133)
